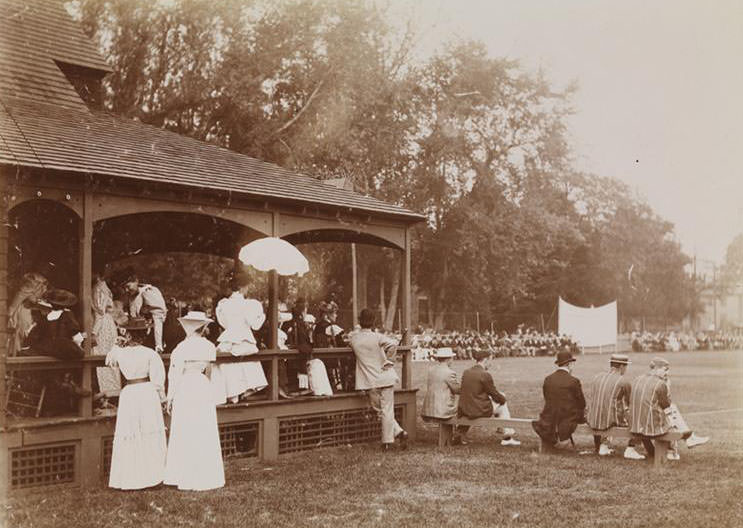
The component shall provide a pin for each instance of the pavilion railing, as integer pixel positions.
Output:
(87, 366)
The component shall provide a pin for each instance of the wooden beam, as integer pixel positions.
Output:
(273, 308)
(354, 288)
(86, 280)
(407, 366)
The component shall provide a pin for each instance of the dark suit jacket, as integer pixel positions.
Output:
(476, 393)
(54, 338)
(564, 407)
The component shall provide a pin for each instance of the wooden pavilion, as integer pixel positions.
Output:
(76, 170)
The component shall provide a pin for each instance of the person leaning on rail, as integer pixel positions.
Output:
(375, 374)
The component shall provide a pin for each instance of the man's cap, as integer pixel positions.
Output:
(620, 359)
(658, 362)
(563, 358)
(479, 354)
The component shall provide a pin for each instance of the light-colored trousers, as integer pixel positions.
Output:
(382, 400)
(158, 319)
(501, 411)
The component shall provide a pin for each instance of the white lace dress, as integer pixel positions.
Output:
(239, 317)
(194, 460)
(138, 457)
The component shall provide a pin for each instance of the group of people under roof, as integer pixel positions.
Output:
(643, 404)
(523, 342)
(42, 322)
(189, 455)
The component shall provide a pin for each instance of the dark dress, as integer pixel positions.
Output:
(564, 407)
(54, 338)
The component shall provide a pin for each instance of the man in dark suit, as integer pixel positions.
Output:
(478, 398)
(564, 404)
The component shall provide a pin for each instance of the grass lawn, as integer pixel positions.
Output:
(481, 484)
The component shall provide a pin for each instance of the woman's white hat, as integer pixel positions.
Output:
(444, 352)
(196, 317)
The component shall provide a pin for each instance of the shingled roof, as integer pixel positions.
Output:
(44, 123)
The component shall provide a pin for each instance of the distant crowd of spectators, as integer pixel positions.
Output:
(527, 342)
(675, 341)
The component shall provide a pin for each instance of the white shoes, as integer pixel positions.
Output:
(510, 442)
(695, 440)
(632, 454)
(605, 450)
(673, 455)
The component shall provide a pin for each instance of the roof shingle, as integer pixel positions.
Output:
(43, 123)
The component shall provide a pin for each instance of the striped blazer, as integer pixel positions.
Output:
(650, 396)
(609, 402)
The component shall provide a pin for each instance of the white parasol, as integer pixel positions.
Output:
(273, 253)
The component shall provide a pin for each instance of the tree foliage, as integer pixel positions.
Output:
(477, 145)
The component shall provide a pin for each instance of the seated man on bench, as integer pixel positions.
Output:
(651, 413)
(564, 405)
(480, 399)
(609, 405)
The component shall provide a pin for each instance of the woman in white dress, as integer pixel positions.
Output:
(194, 460)
(239, 317)
(138, 457)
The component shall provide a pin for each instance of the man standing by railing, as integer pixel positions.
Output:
(375, 374)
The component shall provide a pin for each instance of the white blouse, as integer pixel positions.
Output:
(194, 351)
(138, 362)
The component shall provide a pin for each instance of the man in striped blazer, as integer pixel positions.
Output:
(609, 405)
(649, 399)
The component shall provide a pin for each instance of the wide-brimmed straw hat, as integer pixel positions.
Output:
(59, 297)
(195, 317)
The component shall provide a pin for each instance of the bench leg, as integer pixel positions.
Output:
(661, 448)
(445, 434)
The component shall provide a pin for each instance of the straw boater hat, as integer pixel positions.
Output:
(620, 359)
(443, 353)
(194, 320)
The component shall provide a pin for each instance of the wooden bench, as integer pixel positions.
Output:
(523, 425)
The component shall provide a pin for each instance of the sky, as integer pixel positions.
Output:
(660, 93)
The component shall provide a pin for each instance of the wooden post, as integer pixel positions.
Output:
(4, 209)
(270, 434)
(407, 377)
(354, 287)
(273, 308)
(477, 317)
(86, 279)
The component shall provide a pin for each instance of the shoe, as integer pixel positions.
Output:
(695, 440)
(605, 450)
(387, 447)
(458, 440)
(403, 437)
(510, 442)
(672, 455)
(632, 454)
